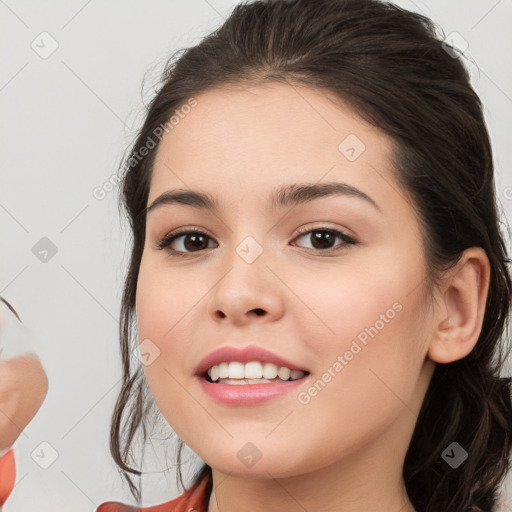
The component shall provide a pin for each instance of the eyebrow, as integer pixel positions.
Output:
(285, 195)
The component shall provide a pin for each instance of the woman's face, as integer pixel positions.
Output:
(353, 315)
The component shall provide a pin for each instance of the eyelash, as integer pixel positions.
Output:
(170, 237)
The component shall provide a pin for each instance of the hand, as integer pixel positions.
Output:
(23, 381)
(23, 388)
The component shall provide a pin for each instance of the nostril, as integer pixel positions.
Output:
(259, 311)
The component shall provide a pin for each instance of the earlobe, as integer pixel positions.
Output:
(458, 323)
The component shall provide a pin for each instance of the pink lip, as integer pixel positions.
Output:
(248, 394)
(243, 355)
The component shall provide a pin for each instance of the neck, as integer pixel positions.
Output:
(295, 495)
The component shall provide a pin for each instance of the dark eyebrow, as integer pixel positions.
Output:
(302, 193)
(185, 196)
(285, 195)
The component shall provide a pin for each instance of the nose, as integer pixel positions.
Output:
(246, 292)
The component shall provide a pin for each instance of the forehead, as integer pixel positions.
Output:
(253, 139)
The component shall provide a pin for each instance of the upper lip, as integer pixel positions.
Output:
(243, 355)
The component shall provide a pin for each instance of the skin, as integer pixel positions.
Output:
(343, 450)
(23, 388)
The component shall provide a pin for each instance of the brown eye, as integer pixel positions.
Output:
(323, 239)
(191, 241)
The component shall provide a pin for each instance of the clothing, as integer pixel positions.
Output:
(194, 499)
(7, 476)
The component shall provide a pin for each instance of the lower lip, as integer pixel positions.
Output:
(249, 394)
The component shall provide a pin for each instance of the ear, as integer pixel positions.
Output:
(459, 317)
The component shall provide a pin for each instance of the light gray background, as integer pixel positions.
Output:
(66, 121)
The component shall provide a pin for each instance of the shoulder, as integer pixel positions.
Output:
(194, 499)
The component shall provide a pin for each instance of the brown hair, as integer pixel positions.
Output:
(391, 66)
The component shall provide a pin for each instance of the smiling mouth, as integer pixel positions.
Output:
(254, 372)
(235, 382)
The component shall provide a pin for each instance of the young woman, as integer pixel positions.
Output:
(312, 195)
(318, 279)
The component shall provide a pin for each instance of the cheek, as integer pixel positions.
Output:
(350, 302)
(165, 303)
(163, 300)
(366, 374)
(366, 326)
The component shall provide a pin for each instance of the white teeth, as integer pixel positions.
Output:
(236, 370)
(223, 370)
(284, 373)
(270, 371)
(253, 372)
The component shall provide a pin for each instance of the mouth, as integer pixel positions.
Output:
(236, 373)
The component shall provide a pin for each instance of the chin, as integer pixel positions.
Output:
(247, 462)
